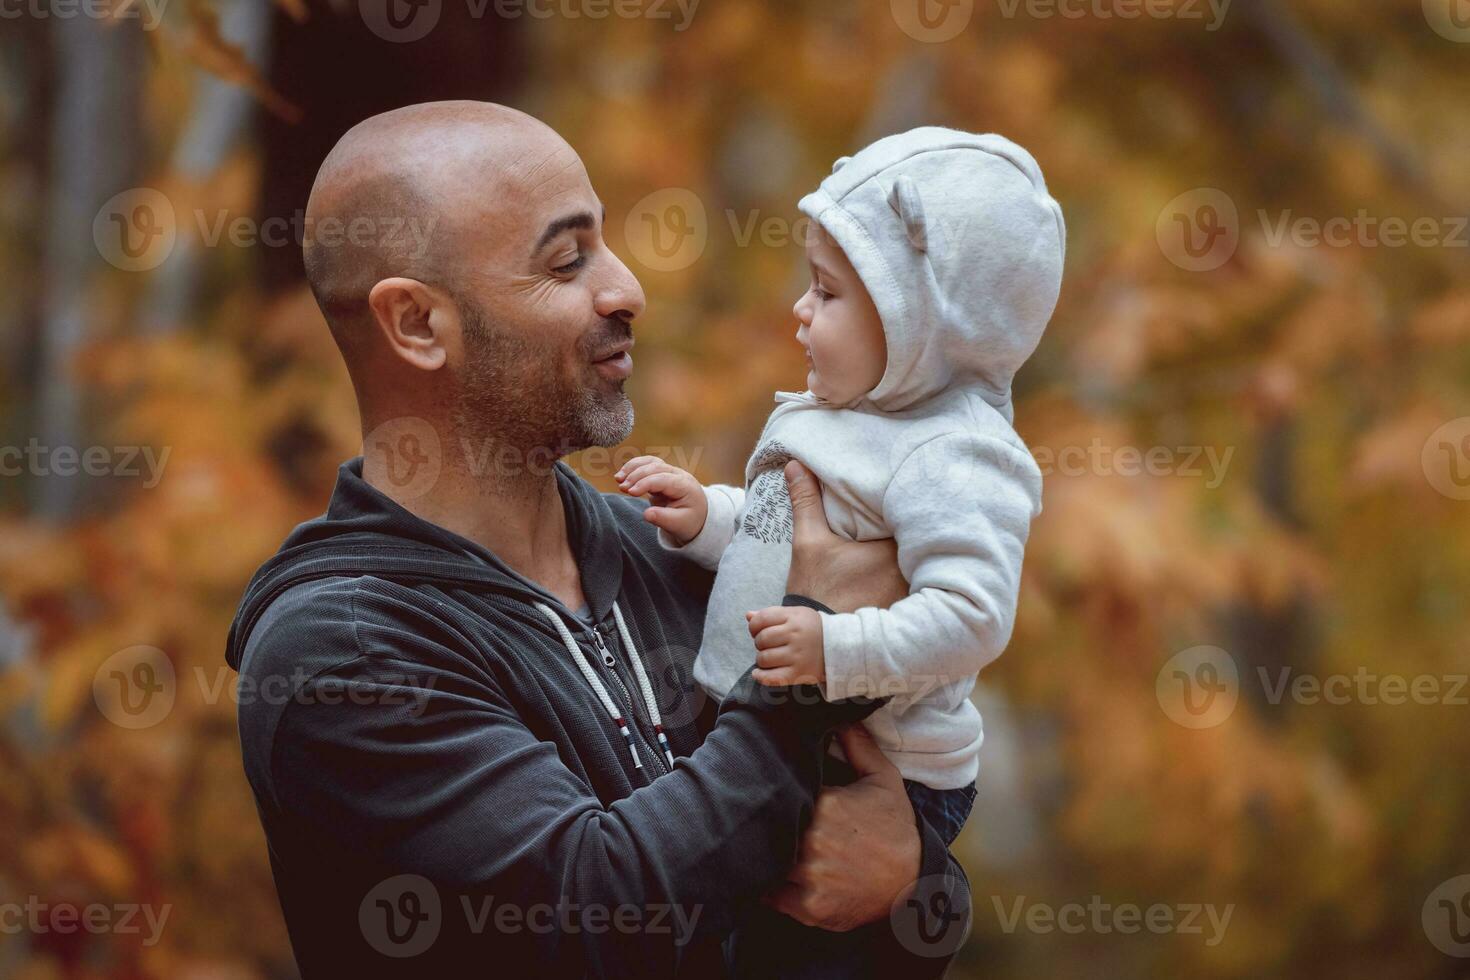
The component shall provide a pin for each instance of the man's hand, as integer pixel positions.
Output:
(861, 853)
(843, 575)
(788, 644)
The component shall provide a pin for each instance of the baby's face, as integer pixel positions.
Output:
(839, 326)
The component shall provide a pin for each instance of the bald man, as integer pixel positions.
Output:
(467, 709)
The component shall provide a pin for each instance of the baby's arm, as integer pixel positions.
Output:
(960, 508)
(698, 521)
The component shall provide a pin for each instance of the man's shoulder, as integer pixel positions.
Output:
(310, 627)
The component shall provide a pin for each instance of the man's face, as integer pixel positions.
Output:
(547, 312)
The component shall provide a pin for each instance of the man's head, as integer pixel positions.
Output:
(476, 291)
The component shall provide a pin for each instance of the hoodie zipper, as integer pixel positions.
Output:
(610, 662)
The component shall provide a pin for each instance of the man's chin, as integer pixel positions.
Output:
(607, 422)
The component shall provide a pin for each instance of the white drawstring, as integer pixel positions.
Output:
(648, 699)
(645, 688)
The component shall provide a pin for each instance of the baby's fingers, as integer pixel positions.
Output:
(779, 677)
(663, 483)
(639, 468)
(633, 464)
(766, 618)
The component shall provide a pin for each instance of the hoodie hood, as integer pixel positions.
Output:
(961, 247)
(364, 532)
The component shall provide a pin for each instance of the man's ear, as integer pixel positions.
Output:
(402, 311)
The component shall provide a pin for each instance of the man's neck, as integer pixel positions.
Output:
(518, 517)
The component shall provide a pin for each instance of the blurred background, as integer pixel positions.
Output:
(1229, 737)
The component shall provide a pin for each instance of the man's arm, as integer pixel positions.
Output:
(439, 776)
(866, 855)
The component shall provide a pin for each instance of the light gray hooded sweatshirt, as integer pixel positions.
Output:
(961, 247)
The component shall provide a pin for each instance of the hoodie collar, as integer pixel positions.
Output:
(365, 532)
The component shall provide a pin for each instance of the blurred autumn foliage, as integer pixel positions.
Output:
(1314, 374)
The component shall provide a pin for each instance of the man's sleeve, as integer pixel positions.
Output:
(429, 770)
(926, 929)
(719, 527)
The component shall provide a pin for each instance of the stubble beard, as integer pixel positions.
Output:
(515, 394)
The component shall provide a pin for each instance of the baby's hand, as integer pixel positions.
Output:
(679, 505)
(788, 643)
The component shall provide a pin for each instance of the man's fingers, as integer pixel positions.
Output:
(806, 500)
(863, 752)
(787, 899)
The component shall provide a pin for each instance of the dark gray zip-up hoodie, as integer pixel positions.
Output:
(442, 791)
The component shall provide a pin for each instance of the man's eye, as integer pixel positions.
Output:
(571, 266)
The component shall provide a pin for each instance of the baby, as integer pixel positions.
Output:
(936, 260)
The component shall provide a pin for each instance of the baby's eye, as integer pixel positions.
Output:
(822, 294)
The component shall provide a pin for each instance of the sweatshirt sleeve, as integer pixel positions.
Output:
(725, 503)
(431, 771)
(960, 507)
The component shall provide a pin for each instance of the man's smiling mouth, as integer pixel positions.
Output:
(616, 363)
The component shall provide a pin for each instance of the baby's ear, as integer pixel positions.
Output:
(903, 197)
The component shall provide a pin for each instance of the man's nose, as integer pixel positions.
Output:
(620, 294)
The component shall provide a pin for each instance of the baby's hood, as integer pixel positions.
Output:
(960, 246)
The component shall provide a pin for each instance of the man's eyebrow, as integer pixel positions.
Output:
(581, 221)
